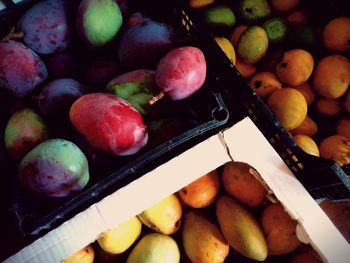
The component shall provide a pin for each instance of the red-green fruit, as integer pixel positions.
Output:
(98, 21)
(109, 123)
(24, 130)
(181, 72)
(21, 70)
(137, 87)
(54, 168)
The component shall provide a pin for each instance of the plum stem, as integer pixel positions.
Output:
(155, 98)
(13, 35)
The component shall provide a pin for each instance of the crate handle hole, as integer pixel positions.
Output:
(220, 114)
(28, 223)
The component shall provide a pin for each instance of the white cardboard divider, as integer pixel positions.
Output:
(245, 143)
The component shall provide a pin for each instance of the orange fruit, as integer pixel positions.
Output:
(336, 34)
(329, 107)
(289, 106)
(227, 47)
(307, 91)
(342, 127)
(332, 76)
(239, 181)
(307, 144)
(264, 83)
(307, 127)
(200, 3)
(246, 70)
(347, 102)
(202, 192)
(297, 18)
(284, 5)
(236, 34)
(336, 148)
(295, 67)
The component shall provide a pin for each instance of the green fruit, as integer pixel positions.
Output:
(155, 248)
(276, 29)
(24, 130)
(219, 17)
(251, 10)
(252, 44)
(98, 21)
(304, 37)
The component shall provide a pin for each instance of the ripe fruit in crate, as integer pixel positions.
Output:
(236, 33)
(241, 229)
(347, 102)
(201, 192)
(54, 168)
(295, 67)
(246, 70)
(240, 181)
(253, 10)
(21, 70)
(101, 71)
(142, 45)
(46, 26)
(202, 239)
(307, 144)
(181, 72)
(227, 47)
(57, 97)
(85, 255)
(109, 123)
(219, 17)
(332, 108)
(279, 229)
(120, 238)
(252, 44)
(24, 130)
(332, 76)
(336, 148)
(163, 217)
(307, 127)
(290, 107)
(155, 248)
(276, 29)
(307, 92)
(62, 65)
(284, 5)
(336, 34)
(343, 127)
(137, 87)
(264, 83)
(98, 21)
(200, 3)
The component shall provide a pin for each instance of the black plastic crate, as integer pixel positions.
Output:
(225, 99)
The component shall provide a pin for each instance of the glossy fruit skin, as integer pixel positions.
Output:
(47, 26)
(142, 45)
(181, 72)
(21, 70)
(58, 95)
(110, 124)
(55, 168)
(98, 21)
(24, 130)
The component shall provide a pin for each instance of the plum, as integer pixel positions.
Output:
(21, 70)
(62, 65)
(46, 26)
(101, 71)
(55, 168)
(109, 123)
(137, 87)
(24, 130)
(57, 97)
(142, 45)
(98, 21)
(181, 72)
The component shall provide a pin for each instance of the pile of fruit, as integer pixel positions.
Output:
(296, 59)
(224, 216)
(85, 84)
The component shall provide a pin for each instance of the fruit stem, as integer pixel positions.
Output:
(155, 98)
(13, 35)
(40, 97)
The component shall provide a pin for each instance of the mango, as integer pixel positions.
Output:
(252, 10)
(219, 17)
(202, 240)
(24, 130)
(279, 229)
(163, 217)
(98, 21)
(155, 248)
(252, 44)
(85, 255)
(121, 237)
(241, 229)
